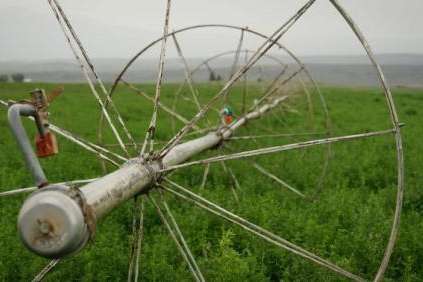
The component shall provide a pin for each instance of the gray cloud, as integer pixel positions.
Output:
(110, 28)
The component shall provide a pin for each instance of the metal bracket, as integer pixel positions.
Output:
(87, 211)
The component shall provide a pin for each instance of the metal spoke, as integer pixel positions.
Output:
(18, 191)
(277, 179)
(175, 100)
(234, 64)
(62, 22)
(187, 71)
(31, 189)
(160, 104)
(205, 175)
(245, 87)
(40, 276)
(179, 95)
(272, 90)
(248, 137)
(87, 145)
(272, 176)
(266, 46)
(272, 84)
(181, 237)
(270, 237)
(275, 149)
(293, 136)
(96, 76)
(237, 54)
(289, 132)
(309, 102)
(181, 247)
(150, 135)
(137, 233)
(234, 181)
(206, 63)
(127, 144)
(202, 131)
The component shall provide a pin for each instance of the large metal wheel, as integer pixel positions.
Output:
(213, 139)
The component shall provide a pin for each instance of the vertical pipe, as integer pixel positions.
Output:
(14, 115)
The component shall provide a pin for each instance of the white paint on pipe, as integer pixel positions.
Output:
(135, 177)
(104, 194)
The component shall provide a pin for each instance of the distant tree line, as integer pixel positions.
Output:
(214, 77)
(16, 77)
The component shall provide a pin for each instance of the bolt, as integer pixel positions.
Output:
(44, 227)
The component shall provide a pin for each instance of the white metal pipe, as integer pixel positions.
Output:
(109, 191)
(184, 151)
(101, 196)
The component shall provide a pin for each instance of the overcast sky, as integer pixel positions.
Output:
(117, 29)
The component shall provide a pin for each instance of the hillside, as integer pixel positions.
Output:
(400, 69)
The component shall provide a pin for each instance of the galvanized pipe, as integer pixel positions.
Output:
(43, 214)
(14, 115)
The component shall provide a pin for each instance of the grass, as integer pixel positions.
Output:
(349, 223)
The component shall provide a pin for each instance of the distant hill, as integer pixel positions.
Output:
(383, 59)
(400, 69)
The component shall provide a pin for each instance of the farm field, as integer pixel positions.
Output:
(345, 219)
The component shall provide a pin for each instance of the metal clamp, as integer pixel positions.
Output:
(87, 211)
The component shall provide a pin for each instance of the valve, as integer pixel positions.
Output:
(46, 145)
(227, 115)
(45, 141)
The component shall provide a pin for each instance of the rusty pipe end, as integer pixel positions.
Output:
(51, 223)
